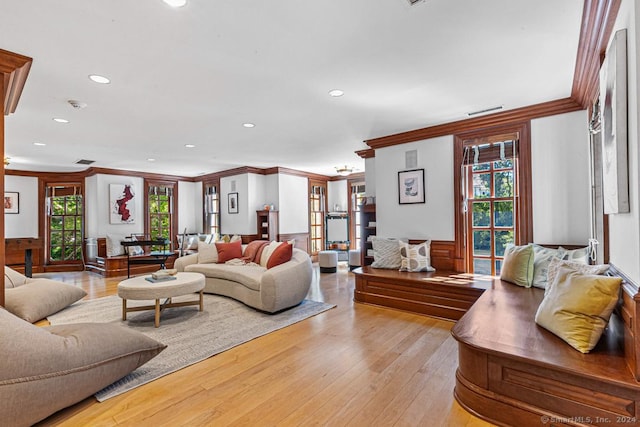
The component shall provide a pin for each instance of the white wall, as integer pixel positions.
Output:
(370, 176)
(235, 223)
(431, 220)
(560, 179)
(24, 223)
(293, 204)
(624, 229)
(190, 207)
(338, 195)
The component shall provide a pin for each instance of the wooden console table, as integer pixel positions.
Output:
(154, 257)
(27, 245)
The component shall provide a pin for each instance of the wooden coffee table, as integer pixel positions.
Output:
(137, 288)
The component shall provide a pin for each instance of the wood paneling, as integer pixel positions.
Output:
(598, 18)
(301, 240)
(15, 254)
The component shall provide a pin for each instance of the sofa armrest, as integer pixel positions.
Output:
(180, 263)
(287, 284)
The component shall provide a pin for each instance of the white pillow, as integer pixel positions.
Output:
(267, 251)
(114, 248)
(541, 258)
(13, 279)
(415, 257)
(576, 255)
(386, 253)
(207, 253)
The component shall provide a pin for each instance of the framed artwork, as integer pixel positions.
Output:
(411, 186)
(233, 203)
(11, 202)
(122, 204)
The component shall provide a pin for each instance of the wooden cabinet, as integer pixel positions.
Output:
(267, 224)
(367, 230)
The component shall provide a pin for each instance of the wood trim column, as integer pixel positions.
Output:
(14, 69)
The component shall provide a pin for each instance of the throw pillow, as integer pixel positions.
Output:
(207, 253)
(135, 250)
(577, 307)
(267, 251)
(386, 253)
(280, 255)
(13, 279)
(114, 248)
(517, 266)
(62, 365)
(40, 298)
(556, 264)
(576, 255)
(253, 250)
(541, 258)
(228, 251)
(415, 257)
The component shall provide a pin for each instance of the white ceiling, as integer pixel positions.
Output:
(194, 75)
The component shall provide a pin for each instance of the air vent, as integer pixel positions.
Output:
(85, 162)
(486, 110)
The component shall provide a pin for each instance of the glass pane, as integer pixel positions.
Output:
(503, 164)
(154, 223)
(482, 242)
(57, 206)
(56, 238)
(481, 214)
(502, 239)
(69, 253)
(71, 205)
(164, 206)
(69, 222)
(498, 266)
(481, 186)
(69, 238)
(503, 183)
(78, 223)
(55, 253)
(56, 223)
(481, 167)
(503, 214)
(481, 266)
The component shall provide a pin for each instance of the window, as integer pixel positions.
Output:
(356, 199)
(212, 209)
(160, 221)
(494, 192)
(317, 209)
(64, 213)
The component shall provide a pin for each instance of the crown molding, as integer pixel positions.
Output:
(15, 69)
(367, 153)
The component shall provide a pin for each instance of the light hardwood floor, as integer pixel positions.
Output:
(354, 365)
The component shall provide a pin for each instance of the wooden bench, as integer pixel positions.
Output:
(119, 265)
(513, 372)
(440, 294)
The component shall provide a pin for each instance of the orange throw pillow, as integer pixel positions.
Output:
(280, 255)
(253, 250)
(227, 251)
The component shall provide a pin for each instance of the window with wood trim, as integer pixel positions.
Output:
(317, 210)
(356, 199)
(160, 199)
(65, 223)
(493, 189)
(212, 209)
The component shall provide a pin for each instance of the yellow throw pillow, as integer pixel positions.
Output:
(517, 267)
(578, 306)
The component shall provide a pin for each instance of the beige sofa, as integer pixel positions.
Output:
(270, 290)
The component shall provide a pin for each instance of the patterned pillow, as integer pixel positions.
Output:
(579, 267)
(386, 253)
(541, 258)
(577, 255)
(415, 257)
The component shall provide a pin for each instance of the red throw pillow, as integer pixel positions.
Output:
(280, 255)
(227, 251)
(253, 250)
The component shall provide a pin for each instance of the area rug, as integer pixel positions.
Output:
(190, 335)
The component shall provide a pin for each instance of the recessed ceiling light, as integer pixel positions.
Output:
(59, 120)
(99, 79)
(189, 146)
(248, 125)
(175, 3)
(336, 93)
(39, 144)
(151, 160)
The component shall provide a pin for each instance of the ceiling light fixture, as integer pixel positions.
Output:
(151, 160)
(486, 110)
(99, 79)
(344, 170)
(249, 125)
(59, 120)
(189, 146)
(336, 93)
(39, 144)
(175, 3)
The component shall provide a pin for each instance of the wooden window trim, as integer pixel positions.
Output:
(524, 220)
(174, 207)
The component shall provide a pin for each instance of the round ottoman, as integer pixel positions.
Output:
(354, 258)
(328, 261)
